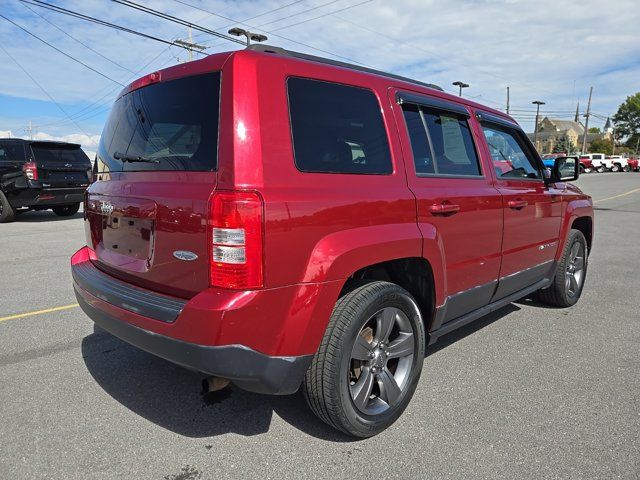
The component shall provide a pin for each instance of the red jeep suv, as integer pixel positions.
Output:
(281, 220)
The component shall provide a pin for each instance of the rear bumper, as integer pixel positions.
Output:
(250, 338)
(247, 368)
(34, 197)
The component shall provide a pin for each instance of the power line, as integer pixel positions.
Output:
(177, 20)
(62, 52)
(42, 88)
(100, 107)
(81, 16)
(322, 16)
(74, 38)
(298, 13)
(243, 22)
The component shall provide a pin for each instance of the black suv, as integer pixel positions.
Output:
(41, 175)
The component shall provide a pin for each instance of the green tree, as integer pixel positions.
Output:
(601, 145)
(633, 143)
(564, 144)
(594, 130)
(627, 118)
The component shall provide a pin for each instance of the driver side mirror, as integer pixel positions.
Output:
(565, 169)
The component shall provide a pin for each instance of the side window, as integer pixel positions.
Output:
(422, 157)
(337, 128)
(445, 146)
(11, 152)
(510, 154)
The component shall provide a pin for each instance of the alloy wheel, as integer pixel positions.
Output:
(574, 273)
(381, 361)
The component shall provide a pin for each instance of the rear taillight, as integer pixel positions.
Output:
(30, 169)
(236, 238)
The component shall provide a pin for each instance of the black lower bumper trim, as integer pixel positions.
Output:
(248, 369)
(123, 295)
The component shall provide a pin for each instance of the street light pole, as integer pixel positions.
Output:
(256, 37)
(461, 85)
(537, 103)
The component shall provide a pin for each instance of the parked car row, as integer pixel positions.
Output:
(598, 162)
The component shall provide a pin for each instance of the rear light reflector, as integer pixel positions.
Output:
(236, 236)
(30, 169)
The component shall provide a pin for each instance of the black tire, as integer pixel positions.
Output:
(626, 168)
(615, 167)
(561, 293)
(328, 384)
(7, 212)
(582, 169)
(601, 169)
(66, 210)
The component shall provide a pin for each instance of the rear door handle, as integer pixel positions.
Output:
(517, 204)
(444, 208)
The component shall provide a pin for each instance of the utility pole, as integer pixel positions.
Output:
(189, 45)
(461, 85)
(537, 103)
(586, 123)
(507, 100)
(29, 130)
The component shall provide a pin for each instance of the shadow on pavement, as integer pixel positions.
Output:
(171, 396)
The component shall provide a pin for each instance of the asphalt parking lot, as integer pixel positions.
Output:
(529, 392)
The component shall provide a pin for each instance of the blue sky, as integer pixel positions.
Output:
(550, 50)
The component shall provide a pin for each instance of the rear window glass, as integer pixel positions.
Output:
(61, 155)
(167, 126)
(337, 128)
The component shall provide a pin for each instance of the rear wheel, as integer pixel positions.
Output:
(626, 168)
(615, 167)
(601, 169)
(7, 212)
(369, 362)
(568, 281)
(66, 210)
(582, 169)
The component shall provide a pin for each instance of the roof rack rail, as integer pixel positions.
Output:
(259, 47)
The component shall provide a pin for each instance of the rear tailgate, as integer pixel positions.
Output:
(157, 160)
(61, 165)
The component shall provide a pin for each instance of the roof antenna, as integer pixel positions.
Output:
(256, 37)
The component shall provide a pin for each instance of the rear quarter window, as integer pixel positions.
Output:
(11, 152)
(337, 128)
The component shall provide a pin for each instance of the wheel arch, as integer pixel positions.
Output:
(414, 274)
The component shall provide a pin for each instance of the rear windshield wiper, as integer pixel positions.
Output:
(133, 158)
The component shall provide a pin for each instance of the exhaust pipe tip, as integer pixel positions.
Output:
(214, 384)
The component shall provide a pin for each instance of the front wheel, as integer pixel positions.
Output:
(615, 167)
(571, 270)
(369, 362)
(626, 168)
(601, 169)
(66, 210)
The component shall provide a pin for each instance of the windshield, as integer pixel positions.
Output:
(59, 155)
(166, 126)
